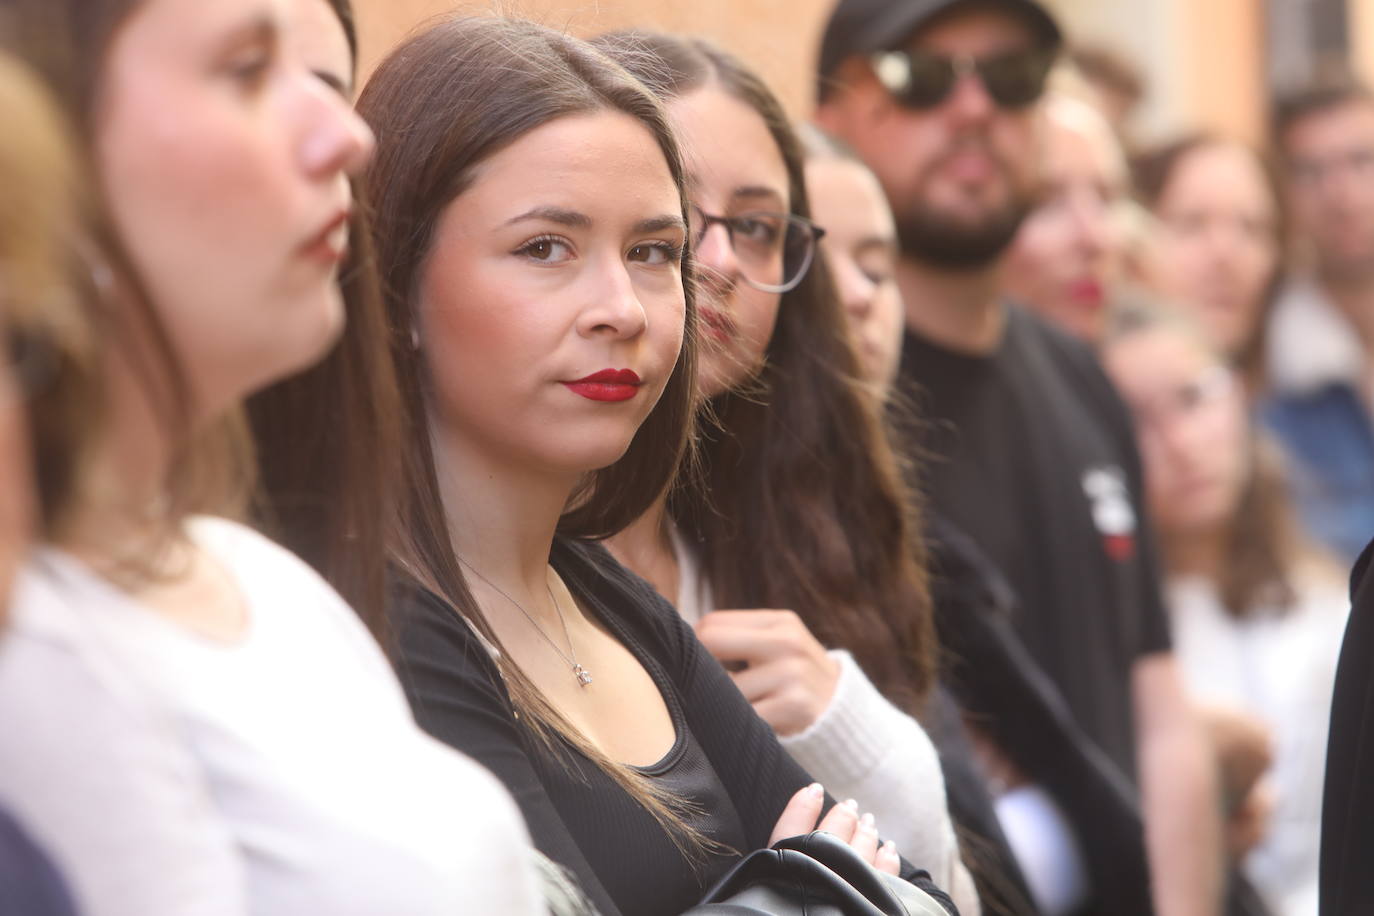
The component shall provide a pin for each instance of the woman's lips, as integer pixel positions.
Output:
(607, 385)
(1088, 292)
(714, 324)
(330, 244)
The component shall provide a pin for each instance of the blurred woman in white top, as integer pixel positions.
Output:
(1257, 615)
(194, 722)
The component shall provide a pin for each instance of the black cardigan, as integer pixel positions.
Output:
(726, 759)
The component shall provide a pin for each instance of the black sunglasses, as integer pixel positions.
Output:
(920, 79)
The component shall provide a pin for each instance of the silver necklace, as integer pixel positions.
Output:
(584, 677)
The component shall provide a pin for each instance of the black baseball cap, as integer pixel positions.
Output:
(868, 26)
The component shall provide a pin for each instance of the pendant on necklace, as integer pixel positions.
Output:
(584, 677)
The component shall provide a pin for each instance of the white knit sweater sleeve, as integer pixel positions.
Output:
(865, 748)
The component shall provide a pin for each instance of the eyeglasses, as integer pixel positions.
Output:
(920, 79)
(1188, 400)
(774, 250)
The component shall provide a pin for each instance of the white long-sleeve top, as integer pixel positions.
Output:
(863, 747)
(172, 775)
(1280, 669)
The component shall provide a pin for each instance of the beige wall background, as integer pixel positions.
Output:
(777, 36)
(1203, 58)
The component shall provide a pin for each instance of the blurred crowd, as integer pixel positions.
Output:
(536, 478)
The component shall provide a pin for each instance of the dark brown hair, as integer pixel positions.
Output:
(47, 336)
(442, 103)
(329, 440)
(800, 502)
(1153, 170)
(1263, 548)
(66, 43)
(1295, 105)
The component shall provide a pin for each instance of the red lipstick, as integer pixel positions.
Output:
(714, 324)
(607, 385)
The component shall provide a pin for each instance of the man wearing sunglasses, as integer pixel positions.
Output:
(1029, 452)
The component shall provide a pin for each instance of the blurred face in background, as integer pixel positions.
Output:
(960, 174)
(860, 245)
(1192, 425)
(1216, 245)
(1067, 258)
(225, 163)
(734, 169)
(1329, 160)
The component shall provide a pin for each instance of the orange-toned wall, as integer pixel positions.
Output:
(777, 36)
(1203, 57)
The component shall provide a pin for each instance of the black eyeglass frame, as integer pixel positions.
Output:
(814, 234)
(894, 71)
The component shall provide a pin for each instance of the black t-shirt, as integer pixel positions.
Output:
(1031, 453)
(726, 760)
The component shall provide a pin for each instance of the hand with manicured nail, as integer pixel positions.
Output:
(843, 820)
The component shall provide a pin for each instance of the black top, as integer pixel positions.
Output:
(1001, 687)
(28, 882)
(1032, 454)
(726, 760)
(1347, 881)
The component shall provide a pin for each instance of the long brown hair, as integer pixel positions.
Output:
(1153, 170)
(47, 338)
(328, 501)
(66, 42)
(442, 103)
(800, 502)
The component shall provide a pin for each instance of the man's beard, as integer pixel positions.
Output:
(932, 237)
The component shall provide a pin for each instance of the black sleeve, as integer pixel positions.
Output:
(1347, 825)
(998, 684)
(757, 772)
(458, 697)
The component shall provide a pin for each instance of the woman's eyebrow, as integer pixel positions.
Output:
(755, 192)
(660, 223)
(560, 215)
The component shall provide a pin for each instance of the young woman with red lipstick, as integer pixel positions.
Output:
(194, 722)
(1067, 260)
(799, 508)
(531, 228)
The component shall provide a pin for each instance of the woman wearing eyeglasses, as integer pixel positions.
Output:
(1257, 615)
(796, 519)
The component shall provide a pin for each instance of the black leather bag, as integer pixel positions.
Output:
(814, 875)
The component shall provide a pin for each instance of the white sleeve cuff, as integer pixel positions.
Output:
(854, 734)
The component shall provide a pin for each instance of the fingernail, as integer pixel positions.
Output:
(852, 805)
(890, 848)
(815, 790)
(866, 822)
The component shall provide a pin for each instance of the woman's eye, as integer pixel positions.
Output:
(755, 229)
(546, 250)
(656, 253)
(250, 66)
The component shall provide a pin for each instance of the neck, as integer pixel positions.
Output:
(501, 516)
(645, 547)
(958, 310)
(1200, 553)
(121, 501)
